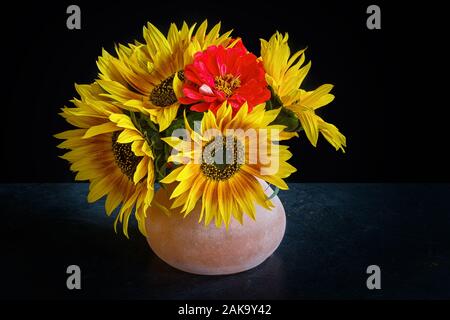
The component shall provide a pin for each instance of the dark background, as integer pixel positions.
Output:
(391, 103)
(391, 113)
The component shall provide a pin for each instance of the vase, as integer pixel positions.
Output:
(190, 246)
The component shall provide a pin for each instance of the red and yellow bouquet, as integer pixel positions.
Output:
(195, 109)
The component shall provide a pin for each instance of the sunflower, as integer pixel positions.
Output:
(147, 77)
(228, 188)
(285, 74)
(110, 152)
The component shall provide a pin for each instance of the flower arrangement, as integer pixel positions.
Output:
(169, 109)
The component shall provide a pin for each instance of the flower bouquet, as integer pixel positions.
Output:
(198, 114)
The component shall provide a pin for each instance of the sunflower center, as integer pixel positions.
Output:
(227, 83)
(220, 167)
(125, 159)
(163, 94)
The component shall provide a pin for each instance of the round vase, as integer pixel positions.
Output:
(190, 246)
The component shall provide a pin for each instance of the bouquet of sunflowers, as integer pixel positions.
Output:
(196, 109)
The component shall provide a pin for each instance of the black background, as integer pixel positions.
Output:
(391, 112)
(391, 103)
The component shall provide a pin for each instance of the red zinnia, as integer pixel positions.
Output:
(219, 74)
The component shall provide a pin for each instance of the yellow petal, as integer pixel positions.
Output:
(171, 177)
(141, 170)
(182, 187)
(178, 143)
(99, 188)
(74, 133)
(272, 179)
(122, 121)
(197, 189)
(309, 123)
(332, 135)
(211, 209)
(224, 200)
(128, 136)
(177, 86)
(166, 115)
(100, 129)
(136, 147)
(318, 97)
(117, 91)
(188, 171)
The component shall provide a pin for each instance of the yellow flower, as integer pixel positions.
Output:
(108, 150)
(147, 77)
(228, 188)
(285, 74)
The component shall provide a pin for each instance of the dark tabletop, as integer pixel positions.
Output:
(334, 231)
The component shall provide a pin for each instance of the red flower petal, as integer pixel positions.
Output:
(221, 74)
(200, 107)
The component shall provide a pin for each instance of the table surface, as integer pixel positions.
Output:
(334, 231)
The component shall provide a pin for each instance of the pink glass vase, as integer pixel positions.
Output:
(193, 247)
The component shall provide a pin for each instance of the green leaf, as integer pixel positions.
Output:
(149, 124)
(160, 169)
(176, 124)
(275, 101)
(287, 118)
(269, 105)
(193, 116)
